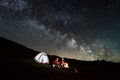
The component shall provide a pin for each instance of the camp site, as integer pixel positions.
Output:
(22, 63)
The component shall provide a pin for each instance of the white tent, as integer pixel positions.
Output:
(42, 58)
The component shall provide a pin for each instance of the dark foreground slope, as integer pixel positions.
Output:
(17, 64)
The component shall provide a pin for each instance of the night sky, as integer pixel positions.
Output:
(79, 29)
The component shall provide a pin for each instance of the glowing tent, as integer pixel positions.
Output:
(42, 58)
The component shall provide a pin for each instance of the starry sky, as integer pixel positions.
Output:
(79, 29)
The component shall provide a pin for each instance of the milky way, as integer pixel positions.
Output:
(83, 30)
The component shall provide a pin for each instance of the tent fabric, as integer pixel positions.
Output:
(42, 58)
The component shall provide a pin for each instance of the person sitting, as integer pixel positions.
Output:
(64, 64)
(56, 62)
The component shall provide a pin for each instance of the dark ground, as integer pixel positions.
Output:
(18, 64)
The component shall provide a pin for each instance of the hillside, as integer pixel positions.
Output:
(17, 63)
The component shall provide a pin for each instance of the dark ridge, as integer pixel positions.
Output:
(13, 49)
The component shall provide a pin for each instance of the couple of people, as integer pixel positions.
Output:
(61, 63)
